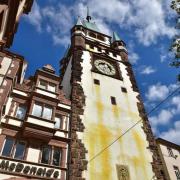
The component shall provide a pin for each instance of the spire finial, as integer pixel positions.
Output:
(88, 15)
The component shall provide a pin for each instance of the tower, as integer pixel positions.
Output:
(98, 78)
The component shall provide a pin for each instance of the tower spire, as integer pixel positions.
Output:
(115, 37)
(88, 15)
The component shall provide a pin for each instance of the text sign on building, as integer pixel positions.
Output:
(25, 169)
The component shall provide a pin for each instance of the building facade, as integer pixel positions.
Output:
(106, 103)
(10, 13)
(12, 71)
(170, 155)
(34, 133)
(79, 125)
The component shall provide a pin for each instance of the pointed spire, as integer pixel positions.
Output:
(115, 37)
(79, 23)
(88, 15)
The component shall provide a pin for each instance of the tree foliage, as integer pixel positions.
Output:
(175, 47)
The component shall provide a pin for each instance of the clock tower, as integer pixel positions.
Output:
(98, 78)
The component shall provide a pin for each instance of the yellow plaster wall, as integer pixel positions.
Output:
(105, 122)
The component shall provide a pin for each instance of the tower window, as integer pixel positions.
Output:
(96, 81)
(92, 35)
(113, 100)
(100, 37)
(78, 28)
(99, 49)
(123, 89)
(170, 152)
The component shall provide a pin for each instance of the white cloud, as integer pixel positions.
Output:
(103, 26)
(157, 92)
(132, 55)
(61, 40)
(163, 118)
(147, 19)
(150, 21)
(176, 102)
(35, 17)
(173, 134)
(148, 70)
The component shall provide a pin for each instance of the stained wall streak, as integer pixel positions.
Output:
(157, 163)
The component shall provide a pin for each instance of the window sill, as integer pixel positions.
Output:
(62, 130)
(55, 93)
(15, 118)
(43, 119)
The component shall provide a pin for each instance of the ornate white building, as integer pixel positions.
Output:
(79, 125)
(99, 80)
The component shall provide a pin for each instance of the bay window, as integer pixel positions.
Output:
(51, 87)
(51, 155)
(13, 148)
(47, 85)
(21, 112)
(8, 146)
(58, 121)
(19, 150)
(42, 111)
(56, 157)
(46, 152)
(47, 113)
(37, 110)
(42, 84)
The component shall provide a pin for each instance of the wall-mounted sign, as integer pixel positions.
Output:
(28, 170)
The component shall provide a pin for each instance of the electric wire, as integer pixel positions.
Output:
(152, 110)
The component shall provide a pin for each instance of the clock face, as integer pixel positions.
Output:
(105, 67)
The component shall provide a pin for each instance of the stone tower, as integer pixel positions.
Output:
(98, 78)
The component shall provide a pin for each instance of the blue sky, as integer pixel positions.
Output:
(146, 27)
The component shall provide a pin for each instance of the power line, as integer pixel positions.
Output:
(152, 110)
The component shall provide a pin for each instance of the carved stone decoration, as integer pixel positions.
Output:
(122, 172)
